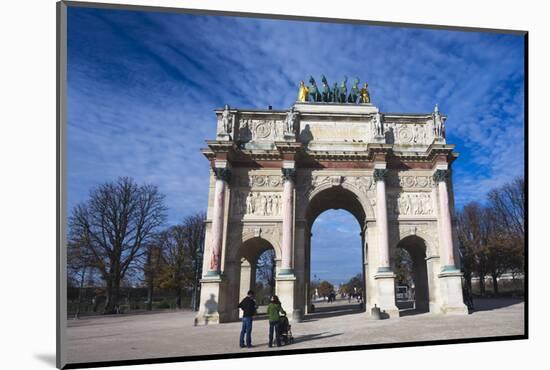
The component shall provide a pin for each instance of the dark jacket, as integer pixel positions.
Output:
(248, 305)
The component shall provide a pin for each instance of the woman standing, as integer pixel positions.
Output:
(273, 310)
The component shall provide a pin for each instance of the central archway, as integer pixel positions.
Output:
(337, 198)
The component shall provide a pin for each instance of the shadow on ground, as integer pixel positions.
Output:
(333, 311)
(489, 304)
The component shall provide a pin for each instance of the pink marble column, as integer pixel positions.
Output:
(382, 220)
(216, 234)
(440, 177)
(289, 175)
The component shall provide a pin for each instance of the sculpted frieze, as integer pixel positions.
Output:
(410, 181)
(256, 203)
(260, 130)
(408, 133)
(260, 181)
(410, 204)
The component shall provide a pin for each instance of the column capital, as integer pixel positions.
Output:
(379, 174)
(289, 174)
(222, 174)
(440, 175)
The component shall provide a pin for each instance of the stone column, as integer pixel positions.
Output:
(384, 277)
(286, 280)
(289, 176)
(223, 175)
(440, 177)
(382, 220)
(450, 277)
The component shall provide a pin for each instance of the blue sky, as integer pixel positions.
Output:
(143, 86)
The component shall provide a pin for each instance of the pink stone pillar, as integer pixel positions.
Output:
(440, 177)
(382, 220)
(289, 175)
(216, 236)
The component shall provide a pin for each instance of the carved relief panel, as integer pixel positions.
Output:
(405, 181)
(256, 203)
(410, 204)
(259, 181)
(260, 130)
(408, 133)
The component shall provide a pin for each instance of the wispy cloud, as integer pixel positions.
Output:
(142, 87)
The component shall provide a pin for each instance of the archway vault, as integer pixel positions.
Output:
(335, 197)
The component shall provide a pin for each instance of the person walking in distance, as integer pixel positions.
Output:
(273, 310)
(248, 305)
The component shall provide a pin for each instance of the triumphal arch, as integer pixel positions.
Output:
(274, 171)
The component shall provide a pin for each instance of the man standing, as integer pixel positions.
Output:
(248, 305)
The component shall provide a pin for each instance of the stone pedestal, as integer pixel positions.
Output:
(285, 285)
(289, 136)
(379, 139)
(385, 294)
(451, 293)
(211, 301)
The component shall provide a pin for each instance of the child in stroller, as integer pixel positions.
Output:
(285, 332)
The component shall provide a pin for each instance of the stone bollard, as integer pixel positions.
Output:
(375, 313)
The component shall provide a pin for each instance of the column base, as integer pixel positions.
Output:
(209, 309)
(286, 272)
(213, 274)
(385, 294)
(285, 285)
(451, 292)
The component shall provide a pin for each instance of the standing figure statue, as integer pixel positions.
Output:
(226, 120)
(290, 121)
(326, 89)
(313, 90)
(303, 92)
(354, 91)
(439, 127)
(365, 97)
(344, 90)
(335, 93)
(378, 128)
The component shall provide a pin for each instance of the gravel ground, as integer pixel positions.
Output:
(168, 334)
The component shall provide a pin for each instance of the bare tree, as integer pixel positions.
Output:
(508, 205)
(152, 268)
(79, 266)
(195, 242)
(473, 234)
(114, 225)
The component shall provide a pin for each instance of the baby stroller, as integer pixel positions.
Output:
(284, 330)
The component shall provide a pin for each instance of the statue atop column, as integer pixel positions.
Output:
(303, 92)
(378, 128)
(439, 125)
(290, 122)
(228, 121)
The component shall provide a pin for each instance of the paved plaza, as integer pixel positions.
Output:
(167, 334)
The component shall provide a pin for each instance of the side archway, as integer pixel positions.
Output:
(410, 264)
